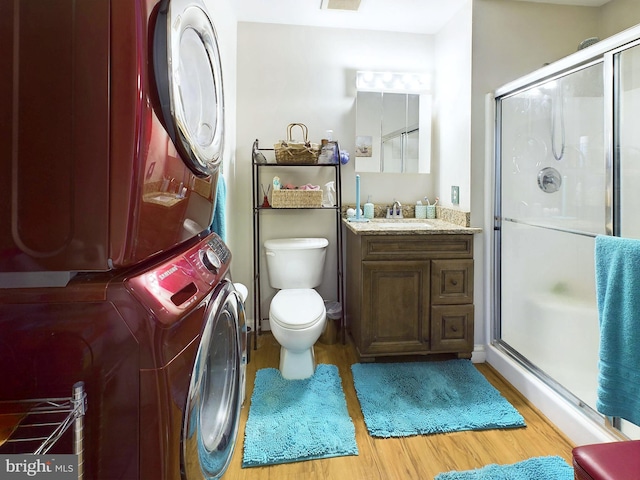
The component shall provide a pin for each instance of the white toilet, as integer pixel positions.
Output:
(297, 313)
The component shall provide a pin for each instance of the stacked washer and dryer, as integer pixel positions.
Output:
(111, 136)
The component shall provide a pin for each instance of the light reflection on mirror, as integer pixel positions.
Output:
(393, 132)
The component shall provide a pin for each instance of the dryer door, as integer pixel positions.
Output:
(212, 413)
(188, 75)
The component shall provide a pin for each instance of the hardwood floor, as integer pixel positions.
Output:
(417, 457)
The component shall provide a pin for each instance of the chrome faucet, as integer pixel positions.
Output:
(395, 211)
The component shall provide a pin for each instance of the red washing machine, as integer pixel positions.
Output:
(161, 350)
(111, 132)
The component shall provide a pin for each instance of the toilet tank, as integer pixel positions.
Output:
(295, 262)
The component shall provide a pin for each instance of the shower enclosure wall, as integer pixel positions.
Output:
(567, 169)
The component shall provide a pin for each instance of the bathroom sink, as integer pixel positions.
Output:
(162, 198)
(400, 225)
(405, 224)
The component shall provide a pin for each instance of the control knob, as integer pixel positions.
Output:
(211, 261)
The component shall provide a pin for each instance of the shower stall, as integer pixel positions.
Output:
(567, 168)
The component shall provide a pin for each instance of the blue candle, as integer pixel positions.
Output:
(357, 197)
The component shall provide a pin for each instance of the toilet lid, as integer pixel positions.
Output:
(297, 308)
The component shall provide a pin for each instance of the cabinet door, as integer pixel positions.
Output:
(395, 307)
(452, 328)
(451, 282)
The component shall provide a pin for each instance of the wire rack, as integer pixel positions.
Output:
(35, 425)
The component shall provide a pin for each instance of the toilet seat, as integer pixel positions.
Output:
(297, 308)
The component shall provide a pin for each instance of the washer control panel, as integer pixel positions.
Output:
(183, 281)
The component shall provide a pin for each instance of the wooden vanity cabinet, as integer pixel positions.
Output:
(410, 294)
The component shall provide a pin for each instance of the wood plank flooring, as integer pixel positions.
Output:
(417, 457)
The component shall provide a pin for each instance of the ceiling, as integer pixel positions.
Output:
(411, 16)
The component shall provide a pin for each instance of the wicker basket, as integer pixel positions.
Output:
(296, 198)
(290, 152)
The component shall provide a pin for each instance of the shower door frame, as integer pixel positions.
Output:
(603, 52)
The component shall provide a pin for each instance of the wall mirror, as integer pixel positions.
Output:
(393, 125)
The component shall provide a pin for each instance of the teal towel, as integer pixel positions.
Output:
(617, 265)
(219, 223)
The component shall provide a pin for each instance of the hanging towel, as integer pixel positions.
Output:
(617, 265)
(219, 223)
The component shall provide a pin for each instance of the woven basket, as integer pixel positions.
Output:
(296, 198)
(290, 152)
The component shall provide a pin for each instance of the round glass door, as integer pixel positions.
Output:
(188, 75)
(212, 413)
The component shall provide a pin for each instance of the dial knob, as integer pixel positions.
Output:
(211, 261)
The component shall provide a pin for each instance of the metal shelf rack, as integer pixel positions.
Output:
(35, 425)
(257, 198)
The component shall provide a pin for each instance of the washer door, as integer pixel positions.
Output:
(212, 413)
(188, 75)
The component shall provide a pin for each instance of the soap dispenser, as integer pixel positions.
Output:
(369, 208)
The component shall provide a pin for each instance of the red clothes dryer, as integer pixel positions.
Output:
(161, 350)
(111, 133)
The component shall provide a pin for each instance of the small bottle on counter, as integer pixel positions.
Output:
(369, 209)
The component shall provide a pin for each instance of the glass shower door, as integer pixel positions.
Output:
(552, 205)
(627, 64)
(627, 147)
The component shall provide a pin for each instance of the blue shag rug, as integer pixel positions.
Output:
(418, 398)
(296, 420)
(538, 468)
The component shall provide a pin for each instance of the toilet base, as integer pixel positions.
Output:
(297, 365)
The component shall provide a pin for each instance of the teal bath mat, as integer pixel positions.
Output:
(296, 420)
(538, 468)
(418, 398)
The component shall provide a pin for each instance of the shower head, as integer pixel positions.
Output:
(588, 42)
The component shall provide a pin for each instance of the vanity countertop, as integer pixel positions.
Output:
(408, 226)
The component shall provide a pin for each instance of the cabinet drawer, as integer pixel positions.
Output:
(451, 282)
(417, 247)
(452, 328)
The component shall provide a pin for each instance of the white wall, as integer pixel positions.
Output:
(292, 74)
(452, 112)
(618, 15)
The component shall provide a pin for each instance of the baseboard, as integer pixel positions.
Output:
(479, 354)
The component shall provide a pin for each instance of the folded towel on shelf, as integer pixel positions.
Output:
(617, 265)
(308, 186)
(219, 223)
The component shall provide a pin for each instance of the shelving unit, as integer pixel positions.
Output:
(258, 209)
(35, 425)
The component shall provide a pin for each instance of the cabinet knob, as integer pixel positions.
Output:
(454, 282)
